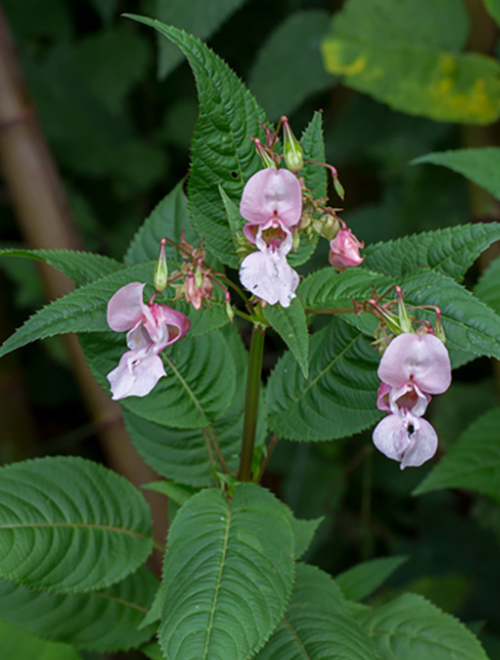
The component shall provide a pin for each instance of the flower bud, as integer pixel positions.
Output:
(339, 188)
(264, 154)
(344, 250)
(198, 278)
(296, 240)
(294, 155)
(439, 330)
(161, 269)
(404, 317)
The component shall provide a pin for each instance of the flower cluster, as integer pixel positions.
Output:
(272, 204)
(413, 367)
(151, 328)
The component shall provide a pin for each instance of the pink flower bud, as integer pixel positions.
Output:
(344, 250)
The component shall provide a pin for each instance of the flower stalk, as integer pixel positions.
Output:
(252, 402)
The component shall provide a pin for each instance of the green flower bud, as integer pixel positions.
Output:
(161, 268)
(294, 155)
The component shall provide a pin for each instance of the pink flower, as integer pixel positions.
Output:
(344, 250)
(272, 194)
(272, 203)
(406, 438)
(412, 367)
(151, 328)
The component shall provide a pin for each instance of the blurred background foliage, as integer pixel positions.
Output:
(118, 109)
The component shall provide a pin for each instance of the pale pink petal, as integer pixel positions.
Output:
(272, 193)
(422, 359)
(383, 393)
(126, 307)
(136, 374)
(138, 337)
(176, 322)
(283, 243)
(402, 437)
(408, 397)
(268, 276)
(344, 250)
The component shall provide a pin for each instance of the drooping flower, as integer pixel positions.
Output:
(150, 329)
(272, 204)
(344, 250)
(413, 367)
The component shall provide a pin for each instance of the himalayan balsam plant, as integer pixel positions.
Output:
(161, 333)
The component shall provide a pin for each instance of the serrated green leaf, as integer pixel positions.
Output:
(179, 493)
(488, 287)
(228, 574)
(288, 67)
(362, 580)
(472, 462)
(493, 7)
(405, 54)
(317, 624)
(169, 218)
(451, 250)
(198, 17)
(152, 651)
(291, 325)
(199, 385)
(338, 399)
(75, 526)
(304, 530)
(412, 628)
(154, 613)
(221, 151)
(15, 644)
(236, 222)
(478, 165)
(82, 267)
(102, 621)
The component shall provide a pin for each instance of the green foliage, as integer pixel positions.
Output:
(478, 165)
(473, 462)
(15, 644)
(317, 624)
(450, 251)
(291, 325)
(82, 267)
(329, 405)
(209, 609)
(90, 529)
(224, 156)
(359, 582)
(493, 7)
(313, 144)
(97, 621)
(303, 531)
(412, 628)
(177, 492)
(198, 17)
(288, 68)
(406, 54)
(488, 287)
(169, 218)
(199, 386)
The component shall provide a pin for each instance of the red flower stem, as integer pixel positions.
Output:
(251, 402)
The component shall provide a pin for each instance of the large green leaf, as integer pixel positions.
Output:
(291, 325)
(451, 250)
(363, 579)
(82, 267)
(69, 525)
(228, 575)
(411, 628)
(338, 399)
(317, 624)
(488, 287)
(15, 644)
(198, 17)
(304, 531)
(199, 385)
(169, 218)
(288, 68)
(478, 165)
(101, 621)
(221, 151)
(472, 462)
(406, 54)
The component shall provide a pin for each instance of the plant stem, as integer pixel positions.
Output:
(332, 310)
(218, 451)
(270, 451)
(252, 402)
